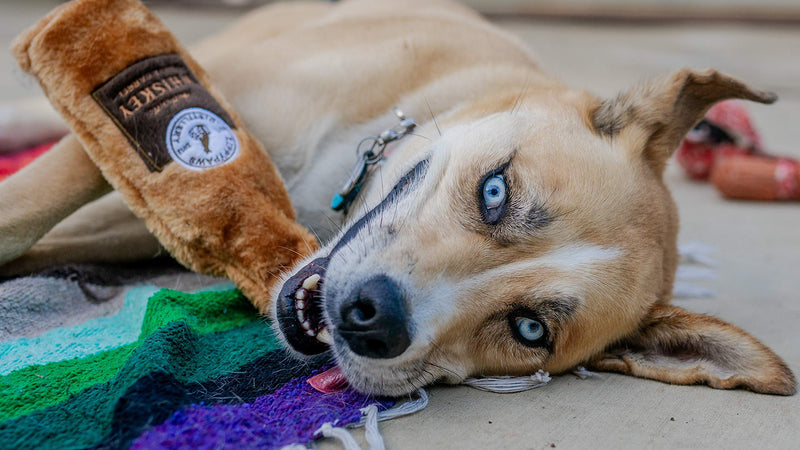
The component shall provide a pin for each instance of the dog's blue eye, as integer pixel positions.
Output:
(493, 195)
(529, 329)
(494, 191)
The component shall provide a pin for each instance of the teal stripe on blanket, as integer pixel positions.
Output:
(88, 338)
(81, 340)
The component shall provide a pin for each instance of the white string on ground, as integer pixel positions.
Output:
(508, 385)
(344, 436)
(583, 374)
(409, 407)
(370, 416)
(294, 447)
(371, 432)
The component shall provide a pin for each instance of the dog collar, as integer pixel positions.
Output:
(370, 151)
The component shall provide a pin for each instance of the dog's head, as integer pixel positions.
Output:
(535, 233)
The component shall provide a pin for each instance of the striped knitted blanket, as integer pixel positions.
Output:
(164, 369)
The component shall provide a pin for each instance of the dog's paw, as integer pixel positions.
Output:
(27, 123)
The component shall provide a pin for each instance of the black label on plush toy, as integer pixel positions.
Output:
(167, 115)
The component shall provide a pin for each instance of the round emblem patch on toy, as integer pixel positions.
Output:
(199, 139)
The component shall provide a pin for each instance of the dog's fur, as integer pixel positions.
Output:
(587, 244)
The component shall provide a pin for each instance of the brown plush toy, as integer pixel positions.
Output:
(162, 136)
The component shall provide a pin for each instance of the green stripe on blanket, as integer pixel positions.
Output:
(36, 387)
(174, 348)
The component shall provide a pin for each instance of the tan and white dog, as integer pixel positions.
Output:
(527, 227)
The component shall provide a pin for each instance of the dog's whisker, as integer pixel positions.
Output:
(425, 382)
(337, 227)
(518, 100)
(316, 235)
(380, 175)
(425, 369)
(420, 136)
(437, 348)
(369, 228)
(308, 246)
(275, 276)
(433, 117)
(292, 250)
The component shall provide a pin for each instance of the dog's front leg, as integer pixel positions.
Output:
(39, 196)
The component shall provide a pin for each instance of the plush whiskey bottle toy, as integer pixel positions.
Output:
(147, 116)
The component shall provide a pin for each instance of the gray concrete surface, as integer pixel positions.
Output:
(757, 245)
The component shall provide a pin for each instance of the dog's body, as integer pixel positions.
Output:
(333, 75)
(527, 227)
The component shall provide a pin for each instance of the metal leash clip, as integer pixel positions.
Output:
(375, 147)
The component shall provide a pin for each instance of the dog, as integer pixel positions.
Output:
(523, 225)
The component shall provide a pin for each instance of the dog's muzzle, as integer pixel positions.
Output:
(372, 320)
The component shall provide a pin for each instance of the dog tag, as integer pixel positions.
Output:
(341, 201)
(345, 196)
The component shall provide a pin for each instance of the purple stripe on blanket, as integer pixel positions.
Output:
(290, 415)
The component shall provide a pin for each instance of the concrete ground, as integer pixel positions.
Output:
(757, 245)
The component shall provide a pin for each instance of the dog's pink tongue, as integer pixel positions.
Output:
(330, 381)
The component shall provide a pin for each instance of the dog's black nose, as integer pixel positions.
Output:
(373, 320)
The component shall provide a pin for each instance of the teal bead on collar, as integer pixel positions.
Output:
(372, 154)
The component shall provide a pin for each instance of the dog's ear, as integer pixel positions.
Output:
(677, 346)
(656, 116)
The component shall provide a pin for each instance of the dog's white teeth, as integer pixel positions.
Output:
(324, 336)
(301, 297)
(311, 282)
